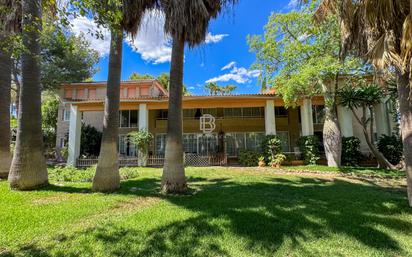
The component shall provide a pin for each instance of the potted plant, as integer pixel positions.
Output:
(262, 162)
(278, 160)
(141, 139)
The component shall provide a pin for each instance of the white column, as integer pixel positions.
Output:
(270, 119)
(74, 135)
(345, 121)
(381, 119)
(306, 117)
(143, 117)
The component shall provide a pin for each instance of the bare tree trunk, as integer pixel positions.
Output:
(382, 161)
(332, 136)
(107, 177)
(5, 87)
(28, 168)
(404, 82)
(174, 179)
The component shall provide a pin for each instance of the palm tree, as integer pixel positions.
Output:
(28, 169)
(186, 21)
(107, 177)
(381, 30)
(9, 23)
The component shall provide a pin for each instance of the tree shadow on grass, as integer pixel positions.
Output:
(257, 217)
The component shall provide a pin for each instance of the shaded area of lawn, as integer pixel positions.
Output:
(245, 215)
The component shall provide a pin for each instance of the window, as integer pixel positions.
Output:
(126, 148)
(207, 144)
(128, 119)
(281, 112)
(66, 114)
(232, 112)
(190, 143)
(160, 142)
(62, 142)
(162, 115)
(318, 112)
(211, 111)
(254, 141)
(189, 114)
(284, 138)
(250, 112)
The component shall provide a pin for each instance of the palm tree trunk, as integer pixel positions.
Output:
(28, 168)
(173, 179)
(5, 87)
(332, 136)
(107, 177)
(405, 106)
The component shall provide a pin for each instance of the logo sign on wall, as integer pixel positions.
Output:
(207, 123)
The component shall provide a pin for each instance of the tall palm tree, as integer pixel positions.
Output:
(381, 30)
(28, 169)
(186, 21)
(107, 177)
(9, 23)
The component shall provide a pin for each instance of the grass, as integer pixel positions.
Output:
(231, 212)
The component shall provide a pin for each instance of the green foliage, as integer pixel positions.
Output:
(138, 76)
(163, 78)
(271, 146)
(141, 139)
(297, 54)
(249, 158)
(309, 146)
(90, 141)
(49, 110)
(351, 154)
(215, 89)
(72, 174)
(359, 93)
(391, 147)
(278, 159)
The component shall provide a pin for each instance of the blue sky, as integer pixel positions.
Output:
(225, 58)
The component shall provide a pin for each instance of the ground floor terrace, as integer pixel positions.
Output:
(239, 123)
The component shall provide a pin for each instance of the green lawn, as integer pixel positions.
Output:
(230, 212)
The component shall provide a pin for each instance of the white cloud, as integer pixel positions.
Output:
(240, 75)
(293, 4)
(210, 38)
(151, 41)
(191, 88)
(89, 29)
(229, 66)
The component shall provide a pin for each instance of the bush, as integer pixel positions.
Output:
(72, 174)
(90, 141)
(391, 147)
(351, 154)
(271, 146)
(309, 146)
(249, 158)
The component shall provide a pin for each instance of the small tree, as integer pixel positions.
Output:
(141, 139)
(360, 94)
(271, 146)
(309, 146)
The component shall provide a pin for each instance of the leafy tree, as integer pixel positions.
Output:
(137, 76)
(359, 94)
(90, 141)
(215, 89)
(300, 57)
(381, 31)
(49, 110)
(141, 139)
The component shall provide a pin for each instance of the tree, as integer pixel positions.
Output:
(141, 139)
(137, 76)
(300, 57)
(119, 16)
(381, 31)
(28, 168)
(187, 22)
(49, 111)
(215, 89)
(362, 95)
(9, 24)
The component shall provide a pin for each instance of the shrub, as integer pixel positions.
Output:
(271, 146)
(142, 140)
(309, 146)
(249, 158)
(391, 147)
(90, 141)
(351, 154)
(72, 174)
(278, 160)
